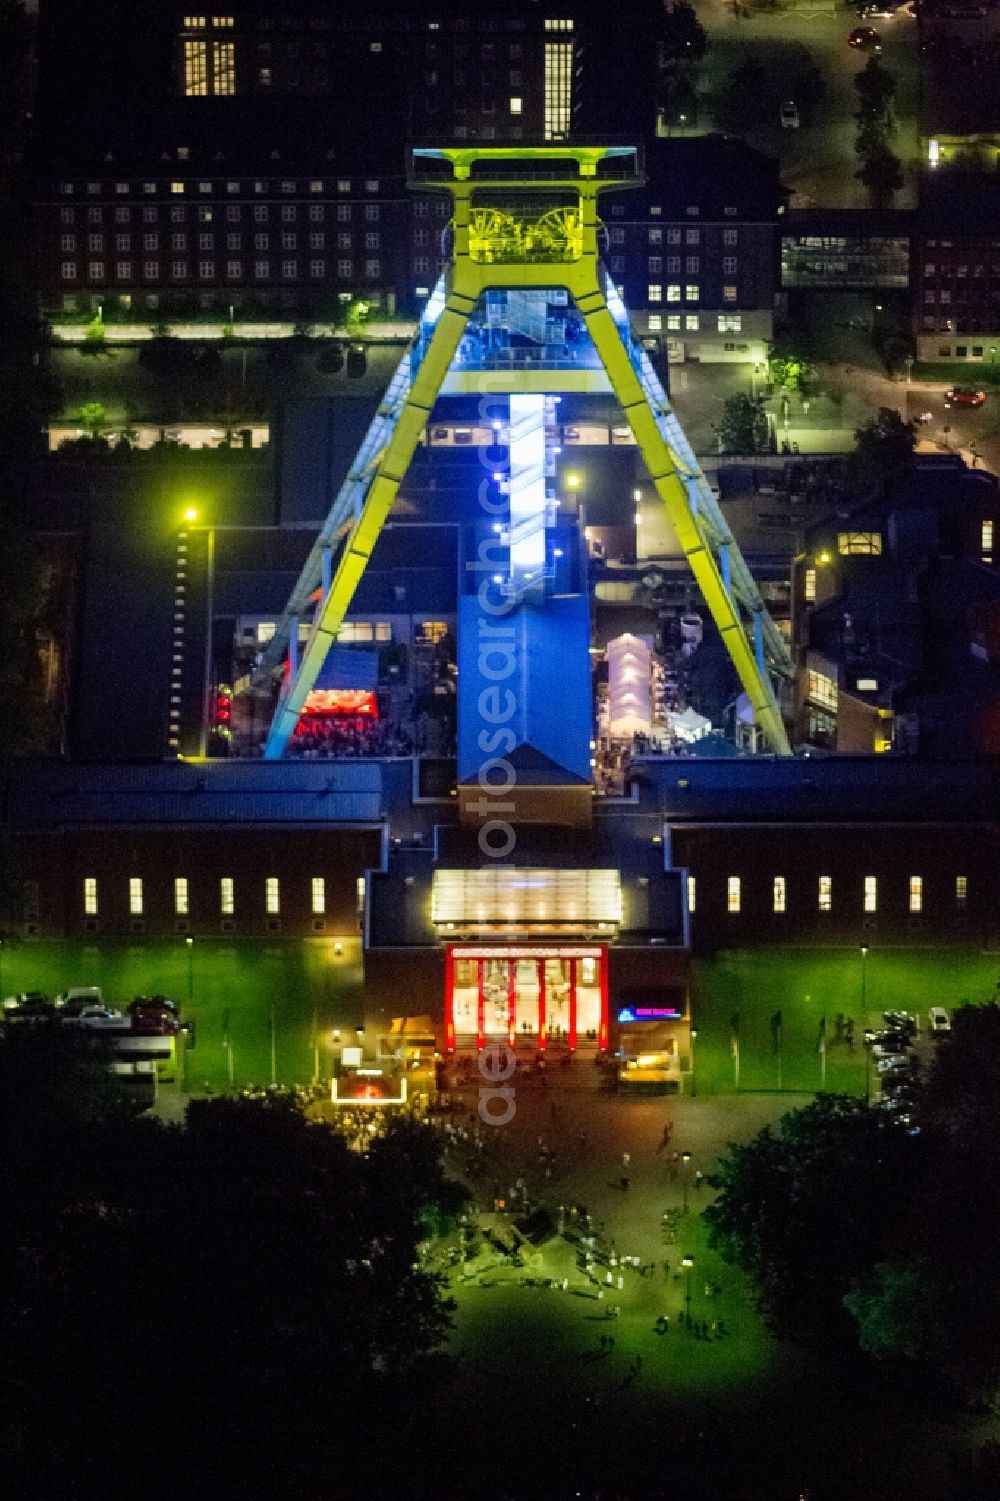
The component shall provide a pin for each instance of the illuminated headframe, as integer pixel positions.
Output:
(525, 217)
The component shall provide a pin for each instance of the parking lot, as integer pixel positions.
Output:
(818, 161)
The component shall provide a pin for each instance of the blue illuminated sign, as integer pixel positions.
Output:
(649, 1014)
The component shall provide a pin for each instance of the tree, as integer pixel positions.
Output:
(92, 417)
(884, 444)
(272, 1271)
(808, 1208)
(875, 88)
(743, 428)
(882, 175)
(790, 371)
(680, 37)
(893, 1306)
(745, 100)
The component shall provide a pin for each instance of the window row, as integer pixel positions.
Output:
(231, 213)
(231, 270)
(726, 323)
(824, 894)
(258, 185)
(289, 240)
(227, 896)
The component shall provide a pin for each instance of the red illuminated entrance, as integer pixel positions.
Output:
(538, 996)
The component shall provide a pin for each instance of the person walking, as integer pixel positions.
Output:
(626, 1159)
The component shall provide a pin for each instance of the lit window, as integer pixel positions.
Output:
(859, 544)
(986, 541)
(821, 689)
(223, 68)
(867, 685)
(809, 586)
(655, 322)
(318, 890)
(654, 292)
(692, 893)
(195, 68)
(692, 322)
(227, 896)
(730, 323)
(729, 294)
(779, 894)
(181, 907)
(961, 893)
(272, 896)
(135, 895)
(516, 105)
(733, 894)
(176, 187)
(916, 893)
(871, 893)
(673, 293)
(90, 896)
(673, 322)
(826, 893)
(691, 292)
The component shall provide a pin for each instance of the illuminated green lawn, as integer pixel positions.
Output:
(805, 985)
(305, 983)
(308, 986)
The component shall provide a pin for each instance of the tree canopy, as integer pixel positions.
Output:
(883, 445)
(743, 426)
(879, 1233)
(231, 1289)
(680, 36)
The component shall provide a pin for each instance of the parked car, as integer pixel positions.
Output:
(938, 1020)
(888, 1050)
(894, 1063)
(97, 1018)
(28, 1006)
(12, 1002)
(900, 1021)
(156, 1014)
(887, 1037)
(865, 38)
(964, 396)
(789, 115)
(71, 1001)
(357, 361)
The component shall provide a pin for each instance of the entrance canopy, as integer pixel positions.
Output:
(504, 899)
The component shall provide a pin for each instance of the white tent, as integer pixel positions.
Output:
(690, 725)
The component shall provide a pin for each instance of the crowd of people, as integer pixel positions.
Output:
(324, 736)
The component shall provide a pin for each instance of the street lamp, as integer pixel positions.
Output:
(686, 1160)
(694, 1081)
(189, 945)
(864, 980)
(687, 1263)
